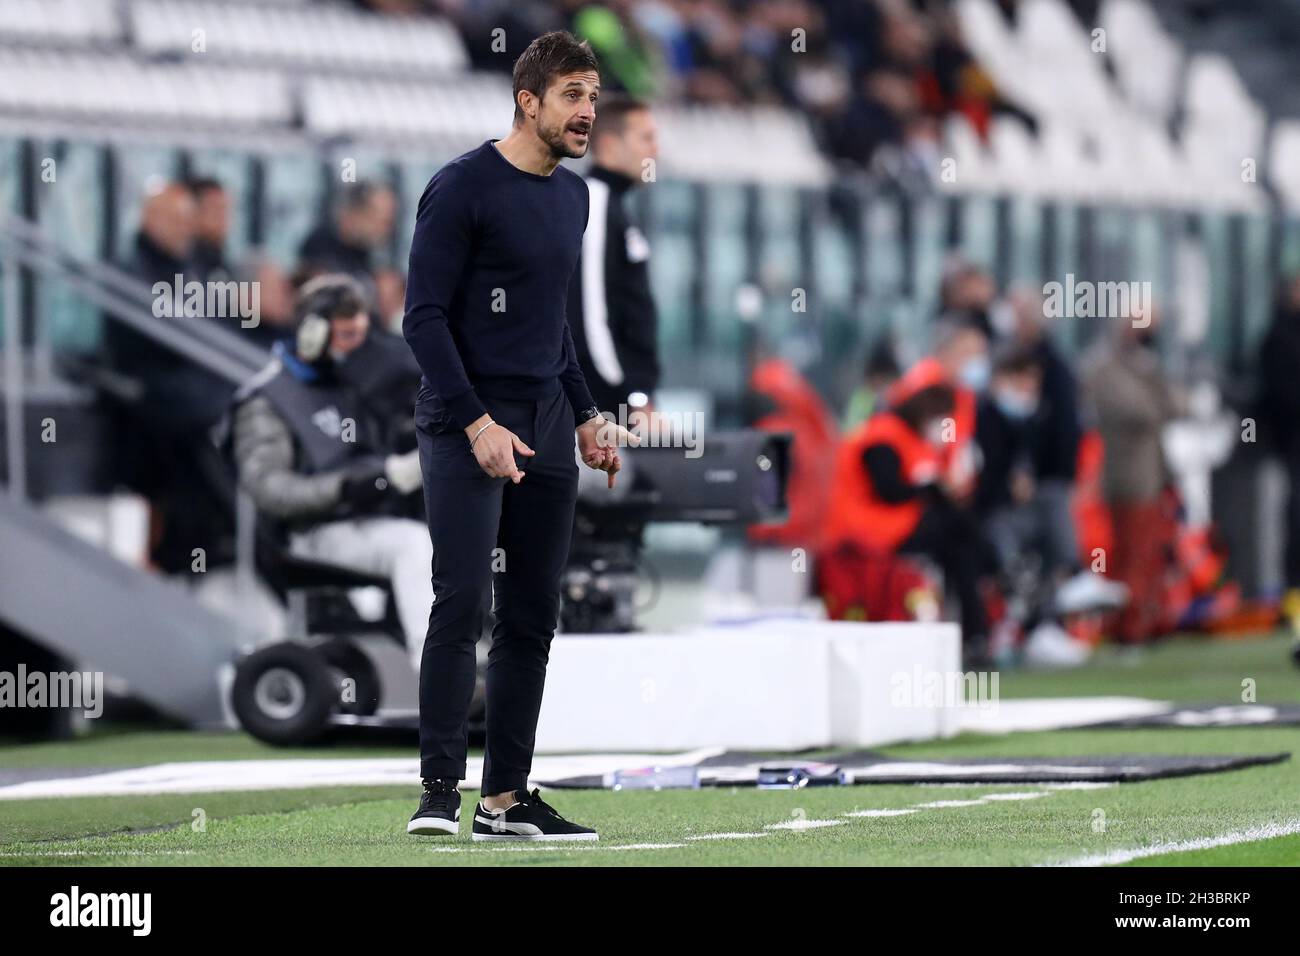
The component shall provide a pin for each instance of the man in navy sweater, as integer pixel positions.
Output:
(497, 237)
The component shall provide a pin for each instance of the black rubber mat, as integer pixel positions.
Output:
(738, 768)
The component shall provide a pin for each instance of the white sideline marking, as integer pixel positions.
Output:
(1027, 795)
(803, 824)
(554, 846)
(1267, 831)
(18, 854)
(727, 836)
(940, 804)
(647, 846)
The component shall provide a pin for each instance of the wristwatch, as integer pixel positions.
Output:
(587, 414)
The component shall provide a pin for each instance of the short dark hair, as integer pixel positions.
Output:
(357, 195)
(550, 55)
(199, 185)
(1015, 358)
(613, 113)
(331, 296)
(881, 360)
(930, 402)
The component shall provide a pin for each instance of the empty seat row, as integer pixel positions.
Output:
(118, 88)
(59, 21)
(294, 35)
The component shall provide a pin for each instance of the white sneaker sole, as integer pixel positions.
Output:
(433, 826)
(535, 838)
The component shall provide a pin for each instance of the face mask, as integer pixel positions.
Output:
(1015, 405)
(975, 372)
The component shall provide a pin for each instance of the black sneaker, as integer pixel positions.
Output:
(439, 811)
(532, 818)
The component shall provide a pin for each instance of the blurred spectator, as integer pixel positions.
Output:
(953, 81)
(164, 449)
(176, 396)
(611, 309)
(1279, 411)
(165, 240)
(960, 359)
(891, 497)
(361, 222)
(967, 293)
(1133, 403)
(211, 228)
(869, 74)
(878, 376)
(275, 296)
(886, 107)
(390, 298)
(628, 60)
(1055, 430)
(1002, 428)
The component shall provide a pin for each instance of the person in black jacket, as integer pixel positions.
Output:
(1006, 488)
(361, 222)
(1054, 431)
(208, 261)
(611, 309)
(1279, 411)
(163, 449)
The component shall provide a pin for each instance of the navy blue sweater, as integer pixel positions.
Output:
(487, 293)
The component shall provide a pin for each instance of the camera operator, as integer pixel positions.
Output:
(310, 450)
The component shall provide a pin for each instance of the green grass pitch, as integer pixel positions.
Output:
(832, 826)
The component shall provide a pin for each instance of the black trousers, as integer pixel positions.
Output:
(951, 536)
(1291, 458)
(493, 539)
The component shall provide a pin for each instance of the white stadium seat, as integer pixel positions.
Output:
(39, 82)
(1147, 60)
(1284, 162)
(59, 21)
(324, 36)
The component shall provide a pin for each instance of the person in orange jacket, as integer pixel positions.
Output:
(896, 491)
(960, 360)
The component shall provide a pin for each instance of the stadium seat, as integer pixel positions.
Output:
(1147, 60)
(323, 36)
(115, 87)
(466, 111)
(1284, 162)
(59, 21)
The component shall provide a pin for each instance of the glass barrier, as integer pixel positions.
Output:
(869, 263)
